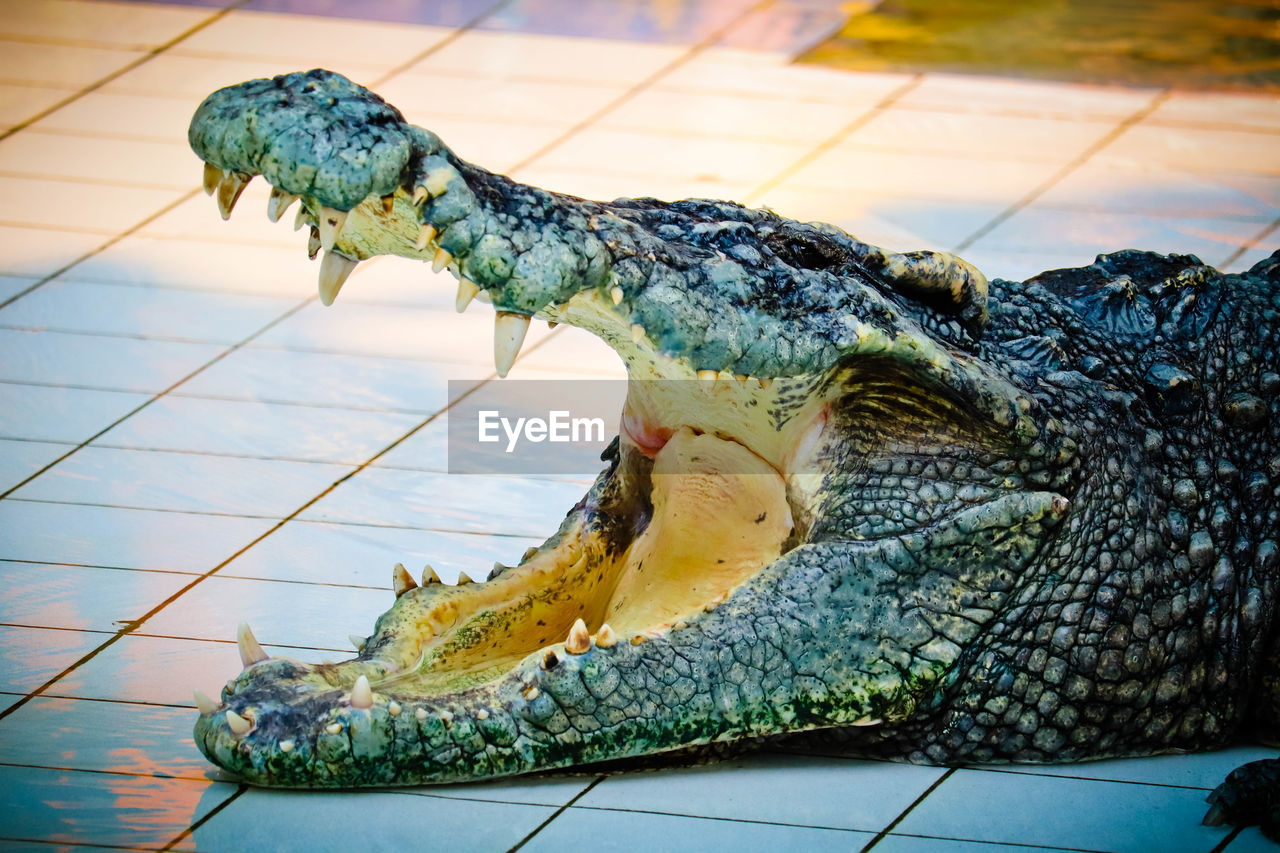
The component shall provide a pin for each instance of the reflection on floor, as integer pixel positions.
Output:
(188, 439)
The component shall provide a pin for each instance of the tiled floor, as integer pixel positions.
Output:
(187, 438)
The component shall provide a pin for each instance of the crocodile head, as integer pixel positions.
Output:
(838, 467)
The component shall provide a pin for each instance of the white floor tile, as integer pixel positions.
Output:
(392, 332)
(543, 57)
(99, 209)
(623, 831)
(155, 117)
(107, 808)
(196, 76)
(184, 482)
(959, 92)
(204, 265)
(110, 309)
(359, 555)
(81, 734)
(1054, 230)
(310, 40)
(734, 116)
(39, 252)
(1196, 148)
(872, 794)
(60, 65)
(1074, 813)
(19, 103)
(117, 364)
(994, 136)
(127, 538)
(282, 613)
(31, 656)
(20, 459)
(130, 163)
(393, 497)
(39, 412)
(81, 597)
(307, 821)
(359, 382)
(130, 25)
(248, 428)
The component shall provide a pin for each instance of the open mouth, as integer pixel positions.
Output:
(727, 574)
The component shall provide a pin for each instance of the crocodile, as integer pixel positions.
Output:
(859, 499)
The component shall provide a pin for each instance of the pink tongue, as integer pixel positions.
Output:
(645, 437)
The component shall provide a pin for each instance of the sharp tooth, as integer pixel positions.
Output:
(551, 324)
(765, 383)
(637, 333)
(740, 377)
(707, 375)
(204, 704)
(333, 728)
(356, 641)
(394, 709)
(496, 572)
(420, 194)
(313, 243)
(508, 334)
(549, 659)
(331, 222)
(464, 579)
(429, 576)
(441, 260)
(361, 693)
(529, 554)
(286, 746)
(388, 203)
(605, 638)
(401, 580)
(532, 692)
(250, 651)
(616, 294)
(211, 178)
(438, 181)
(446, 717)
(482, 714)
(426, 234)
(421, 713)
(579, 641)
(303, 218)
(233, 183)
(483, 296)
(239, 725)
(334, 270)
(467, 290)
(278, 203)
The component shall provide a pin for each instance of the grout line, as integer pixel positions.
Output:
(996, 845)
(1075, 163)
(637, 88)
(186, 833)
(1256, 241)
(1230, 837)
(147, 57)
(522, 842)
(918, 800)
(839, 136)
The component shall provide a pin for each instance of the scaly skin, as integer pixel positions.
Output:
(957, 521)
